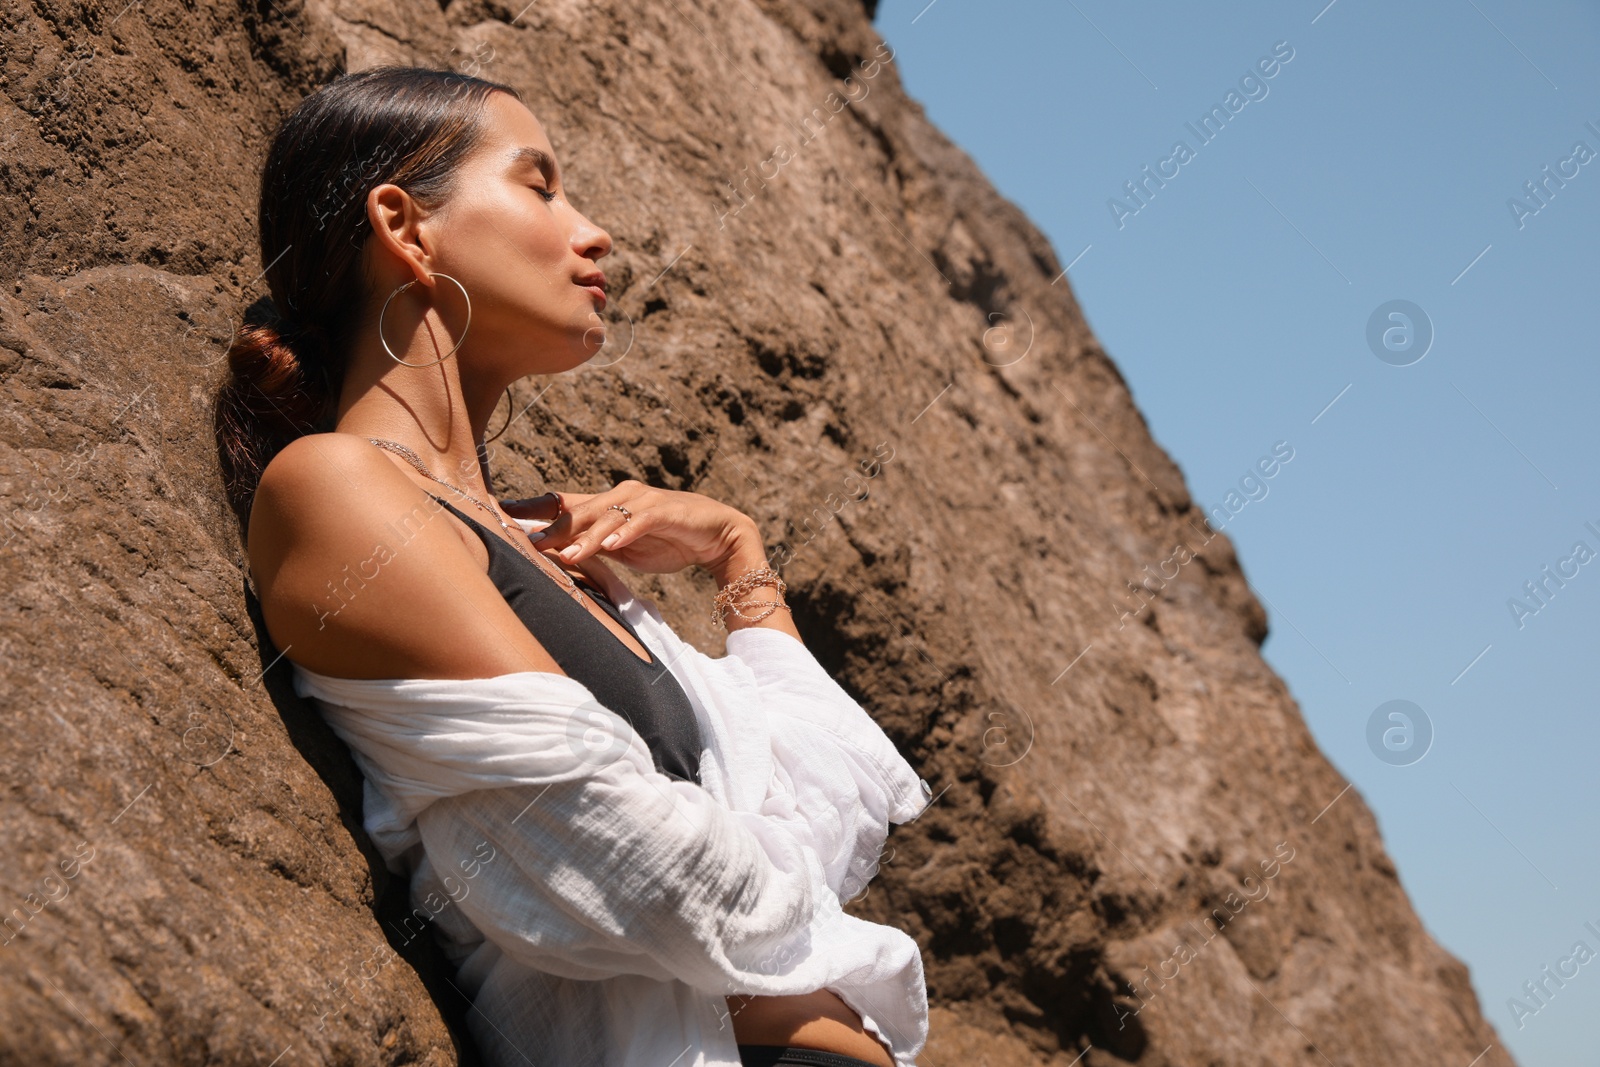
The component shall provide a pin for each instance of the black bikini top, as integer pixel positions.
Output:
(643, 692)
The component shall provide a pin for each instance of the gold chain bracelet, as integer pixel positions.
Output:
(770, 605)
(727, 599)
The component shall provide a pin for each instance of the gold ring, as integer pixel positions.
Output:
(626, 514)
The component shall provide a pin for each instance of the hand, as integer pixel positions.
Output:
(668, 530)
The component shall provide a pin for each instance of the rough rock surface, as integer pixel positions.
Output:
(185, 877)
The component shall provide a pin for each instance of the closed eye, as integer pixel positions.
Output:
(546, 193)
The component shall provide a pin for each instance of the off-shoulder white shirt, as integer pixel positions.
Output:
(600, 912)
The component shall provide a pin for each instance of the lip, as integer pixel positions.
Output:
(595, 282)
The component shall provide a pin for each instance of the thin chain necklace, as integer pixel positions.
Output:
(416, 461)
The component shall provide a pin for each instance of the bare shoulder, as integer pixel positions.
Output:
(362, 574)
(320, 491)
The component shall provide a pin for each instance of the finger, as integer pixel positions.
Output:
(587, 542)
(539, 508)
(584, 510)
(630, 531)
(588, 509)
(555, 510)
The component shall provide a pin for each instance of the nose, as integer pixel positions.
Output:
(589, 240)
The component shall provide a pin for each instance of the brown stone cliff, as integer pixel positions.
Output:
(809, 276)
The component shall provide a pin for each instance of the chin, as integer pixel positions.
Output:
(592, 340)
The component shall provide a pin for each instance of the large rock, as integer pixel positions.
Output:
(815, 278)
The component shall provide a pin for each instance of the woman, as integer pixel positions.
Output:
(422, 255)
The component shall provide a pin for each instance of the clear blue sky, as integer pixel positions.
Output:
(1375, 165)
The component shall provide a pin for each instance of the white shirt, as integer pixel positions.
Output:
(599, 911)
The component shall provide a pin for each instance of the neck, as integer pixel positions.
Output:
(438, 412)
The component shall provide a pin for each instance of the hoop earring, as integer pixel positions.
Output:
(402, 288)
(507, 426)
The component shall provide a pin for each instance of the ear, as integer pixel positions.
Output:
(397, 224)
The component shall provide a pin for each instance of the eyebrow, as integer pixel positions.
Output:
(541, 159)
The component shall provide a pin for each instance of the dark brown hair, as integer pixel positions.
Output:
(409, 126)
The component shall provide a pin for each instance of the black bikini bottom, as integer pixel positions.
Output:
(789, 1056)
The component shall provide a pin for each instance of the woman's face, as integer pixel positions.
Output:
(526, 256)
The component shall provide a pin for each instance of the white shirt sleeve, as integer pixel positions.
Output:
(847, 781)
(602, 865)
(630, 872)
(536, 815)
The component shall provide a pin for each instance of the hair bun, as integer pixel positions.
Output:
(269, 377)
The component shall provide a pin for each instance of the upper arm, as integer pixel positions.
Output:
(361, 574)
